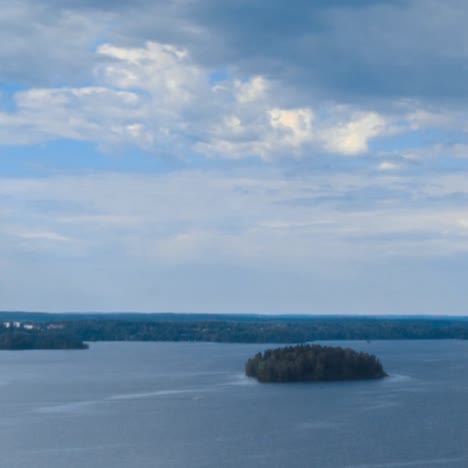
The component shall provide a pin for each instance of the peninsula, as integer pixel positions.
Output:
(16, 337)
(313, 363)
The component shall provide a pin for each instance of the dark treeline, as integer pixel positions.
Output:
(313, 363)
(266, 331)
(47, 317)
(68, 331)
(38, 339)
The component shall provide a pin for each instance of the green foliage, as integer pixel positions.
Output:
(313, 363)
(267, 330)
(20, 339)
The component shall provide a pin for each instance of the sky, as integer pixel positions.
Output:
(300, 156)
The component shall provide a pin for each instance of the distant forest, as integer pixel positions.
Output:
(241, 328)
(265, 331)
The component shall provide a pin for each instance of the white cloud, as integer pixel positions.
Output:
(156, 97)
(252, 90)
(81, 229)
(388, 166)
(440, 150)
(421, 119)
(44, 235)
(352, 136)
(266, 219)
(163, 70)
(294, 125)
(98, 114)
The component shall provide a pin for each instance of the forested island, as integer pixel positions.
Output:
(313, 363)
(22, 339)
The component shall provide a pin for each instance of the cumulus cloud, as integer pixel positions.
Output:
(252, 90)
(357, 107)
(385, 49)
(157, 98)
(388, 166)
(352, 137)
(174, 78)
(96, 114)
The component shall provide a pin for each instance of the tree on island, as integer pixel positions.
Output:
(313, 363)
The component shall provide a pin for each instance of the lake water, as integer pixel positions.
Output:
(183, 405)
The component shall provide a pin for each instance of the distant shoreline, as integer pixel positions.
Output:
(235, 329)
(190, 316)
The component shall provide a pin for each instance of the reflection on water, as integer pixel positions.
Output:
(190, 405)
(431, 462)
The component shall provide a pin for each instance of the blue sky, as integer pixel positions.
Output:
(267, 157)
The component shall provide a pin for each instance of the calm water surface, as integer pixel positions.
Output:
(182, 405)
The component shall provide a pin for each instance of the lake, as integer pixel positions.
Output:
(183, 405)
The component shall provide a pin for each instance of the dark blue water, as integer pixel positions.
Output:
(183, 405)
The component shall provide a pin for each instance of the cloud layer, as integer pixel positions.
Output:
(237, 156)
(157, 98)
(321, 228)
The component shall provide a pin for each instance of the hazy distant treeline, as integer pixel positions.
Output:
(265, 331)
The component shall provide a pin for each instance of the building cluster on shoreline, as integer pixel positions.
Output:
(31, 326)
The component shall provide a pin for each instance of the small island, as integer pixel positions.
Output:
(20, 338)
(313, 363)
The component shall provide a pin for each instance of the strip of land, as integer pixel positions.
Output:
(233, 328)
